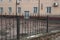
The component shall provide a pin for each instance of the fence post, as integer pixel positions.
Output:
(47, 24)
(18, 27)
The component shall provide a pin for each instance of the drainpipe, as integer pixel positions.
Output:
(38, 8)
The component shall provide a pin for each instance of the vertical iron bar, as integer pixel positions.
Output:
(47, 24)
(23, 23)
(18, 27)
(30, 28)
(1, 27)
(6, 27)
(13, 27)
(9, 28)
(18, 24)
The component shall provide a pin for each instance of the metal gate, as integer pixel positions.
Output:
(8, 28)
(15, 28)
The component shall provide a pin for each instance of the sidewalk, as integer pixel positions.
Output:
(58, 38)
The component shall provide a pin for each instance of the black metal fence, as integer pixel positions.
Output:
(15, 28)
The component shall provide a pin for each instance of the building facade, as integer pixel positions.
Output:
(7, 7)
(30, 7)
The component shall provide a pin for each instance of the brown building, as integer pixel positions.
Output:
(7, 7)
(30, 7)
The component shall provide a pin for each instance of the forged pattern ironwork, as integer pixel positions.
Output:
(29, 27)
(8, 28)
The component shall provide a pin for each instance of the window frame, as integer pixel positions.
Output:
(35, 9)
(1, 11)
(48, 9)
(18, 1)
(9, 1)
(18, 8)
(1, 1)
(9, 10)
(26, 16)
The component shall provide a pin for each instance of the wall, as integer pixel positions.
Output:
(5, 4)
(27, 5)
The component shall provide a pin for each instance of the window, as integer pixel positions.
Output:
(9, 0)
(26, 15)
(1, 0)
(48, 9)
(18, 1)
(35, 9)
(10, 9)
(19, 10)
(1, 9)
